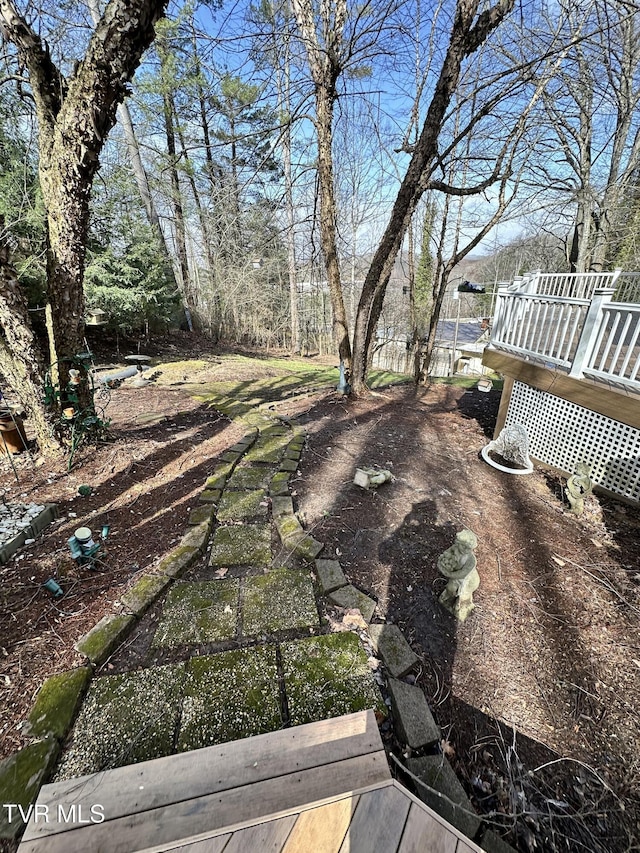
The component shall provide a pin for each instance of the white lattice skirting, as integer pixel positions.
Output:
(561, 434)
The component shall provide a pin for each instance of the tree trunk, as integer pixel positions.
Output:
(325, 98)
(25, 373)
(465, 38)
(74, 118)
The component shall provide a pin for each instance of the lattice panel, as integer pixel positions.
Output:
(562, 434)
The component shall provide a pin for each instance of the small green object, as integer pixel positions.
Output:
(85, 491)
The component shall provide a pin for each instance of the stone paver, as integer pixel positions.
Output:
(436, 772)
(228, 696)
(278, 601)
(281, 505)
(397, 654)
(57, 702)
(250, 478)
(330, 575)
(199, 612)
(415, 725)
(349, 597)
(21, 776)
(327, 676)
(279, 484)
(247, 544)
(105, 637)
(125, 719)
(236, 506)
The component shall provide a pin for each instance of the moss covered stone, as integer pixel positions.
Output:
(308, 548)
(104, 637)
(199, 612)
(236, 506)
(125, 719)
(177, 560)
(201, 514)
(275, 430)
(280, 600)
(144, 593)
(349, 597)
(248, 544)
(197, 537)
(229, 696)
(250, 478)
(289, 529)
(328, 676)
(290, 465)
(279, 484)
(210, 496)
(437, 773)
(57, 702)
(268, 449)
(397, 654)
(330, 575)
(281, 505)
(21, 777)
(216, 482)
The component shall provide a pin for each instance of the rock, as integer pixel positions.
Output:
(436, 772)
(351, 598)
(330, 575)
(394, 650)
(414, 722)
(56, 704)
(104, 637)
(492, 843)
(21, 776)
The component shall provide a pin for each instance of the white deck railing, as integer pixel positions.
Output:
(586, 336)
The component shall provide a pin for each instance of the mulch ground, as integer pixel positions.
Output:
(545, 671)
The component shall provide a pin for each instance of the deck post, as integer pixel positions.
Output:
(590, 330)
(498, 314)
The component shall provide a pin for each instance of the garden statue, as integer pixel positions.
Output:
(513, 445)
(458, 565)
(371, 478)
(579, 487)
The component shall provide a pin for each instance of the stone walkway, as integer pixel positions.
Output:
(228, 638)
(238, 618)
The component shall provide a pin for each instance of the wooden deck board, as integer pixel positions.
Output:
(263, 838)
(174, 821)
(378, 821)
(190, 775)
(312, 800)
(323, 828)
(423, 832)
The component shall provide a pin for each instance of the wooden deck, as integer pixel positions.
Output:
(317, 788)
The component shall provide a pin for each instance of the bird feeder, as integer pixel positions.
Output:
(97, 317)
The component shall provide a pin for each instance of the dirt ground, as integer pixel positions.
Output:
(537, 693)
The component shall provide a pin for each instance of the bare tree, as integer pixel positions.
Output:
(593, 112)
(75, 115)
(468, 32)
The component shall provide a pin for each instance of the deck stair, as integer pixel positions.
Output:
(321, 786)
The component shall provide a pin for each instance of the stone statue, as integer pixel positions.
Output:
(458, 565)
(513, 445)
(579, 487)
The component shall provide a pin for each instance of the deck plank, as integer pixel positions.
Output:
(263, 837)
(137, 788)
(170, 822)
(378, 822)
(423, 832)
(323, 828)
(205, 845)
